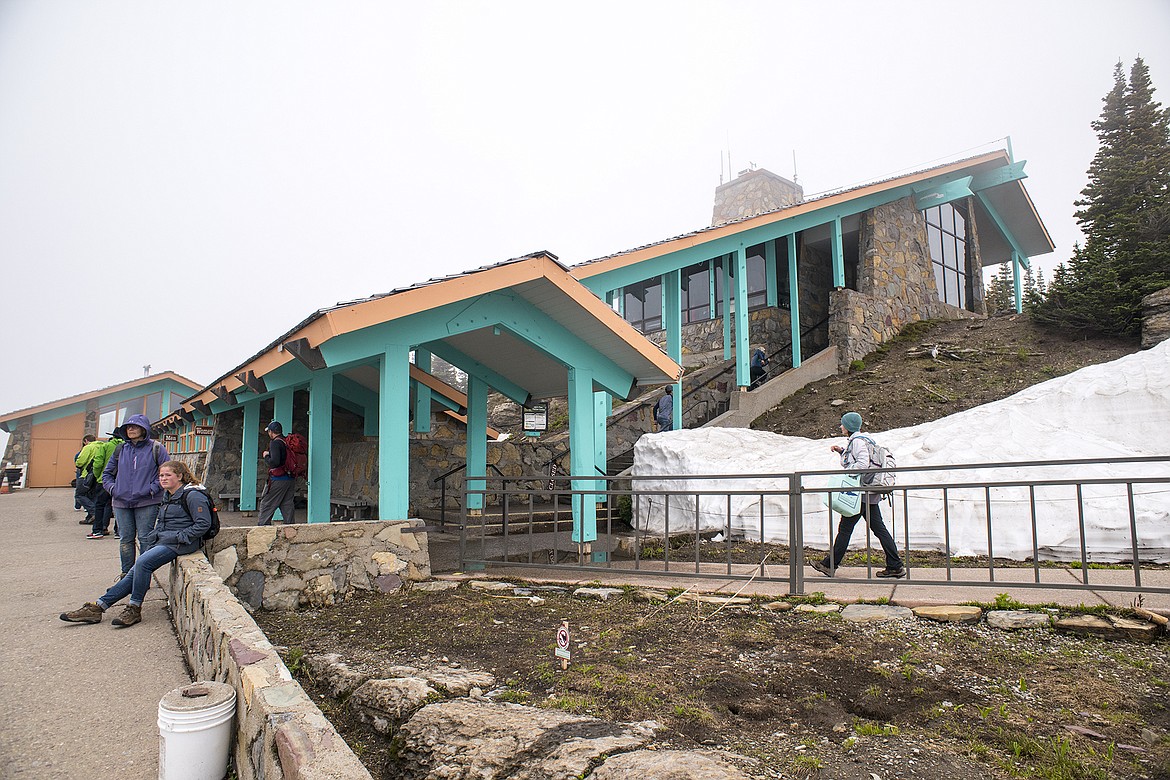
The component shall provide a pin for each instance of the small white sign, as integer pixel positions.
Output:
(562, 650)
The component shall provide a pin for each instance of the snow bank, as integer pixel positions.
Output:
(1112, 410)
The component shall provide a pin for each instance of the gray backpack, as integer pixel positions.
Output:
(879, 457)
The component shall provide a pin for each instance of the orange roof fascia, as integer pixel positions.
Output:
(73, 399)
(623, 259)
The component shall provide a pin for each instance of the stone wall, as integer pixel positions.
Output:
(753, 192)
(895, 283)
(284, 567)
(19, 443)
(91, 419)
(1155, 318)
(280, 733)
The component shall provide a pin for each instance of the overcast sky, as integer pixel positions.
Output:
(180, 183)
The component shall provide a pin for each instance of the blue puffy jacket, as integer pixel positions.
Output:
(131, 474)
(183, 518)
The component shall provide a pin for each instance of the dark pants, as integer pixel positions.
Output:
(103, 510)
(873, 513)
(757, 373)
(82, 497)
(278, 494)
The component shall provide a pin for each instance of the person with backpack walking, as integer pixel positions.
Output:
(858, 453)
(131, 479)
(281, 485)
(184, 516)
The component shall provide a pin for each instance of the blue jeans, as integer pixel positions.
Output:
(138, 581)
(136, 521)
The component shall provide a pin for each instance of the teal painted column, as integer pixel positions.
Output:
(672, 315)
(320, 445)
(1017, 283)
(394, 433)
(793, 300)
(581, 452)
(742, 348)
(477, 396)
(711, 284)
(770, 272)
(601, 410)
(282, 408)
(727, 307)
(838, 254)
(249, 450)
(422, 394)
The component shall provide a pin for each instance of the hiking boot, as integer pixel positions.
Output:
(893, 574)
(130, 615)
(90, 613)
(821, 567)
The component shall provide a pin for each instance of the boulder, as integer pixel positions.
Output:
(875, 613)
(385, 704)
(667, 765)
(1015, 619)
(950, 614)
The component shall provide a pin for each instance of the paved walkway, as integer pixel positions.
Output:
(80, 702)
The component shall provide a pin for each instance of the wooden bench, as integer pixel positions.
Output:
(343, 508)
(230, 501)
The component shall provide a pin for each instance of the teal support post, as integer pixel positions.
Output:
(393, 433)
(770, 273)
(282, 408)
(672, 318)
(711, 285)
(838, 255)
(249, 456)
(1017, 282)
(320, 446)
(581, 453)
(727, 307)
(620, 295)
(477, 396)
(742, 348)
(601, 410)
(422, 394)
(793, 300)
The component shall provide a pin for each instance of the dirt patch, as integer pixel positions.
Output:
(938, 368)
(800, 694)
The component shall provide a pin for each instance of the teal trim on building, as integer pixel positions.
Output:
(477, 397)
(838, 259)
(742, 350)
(422, 393)
(793, 299)
(393, 432)
(582, 458)
(770, 274)
(249, 462)
(929, 197)
(1018, 254)
(282, 408)
(321, 444)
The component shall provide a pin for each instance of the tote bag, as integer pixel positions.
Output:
(847, 502)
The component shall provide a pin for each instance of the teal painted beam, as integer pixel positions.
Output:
(835, 244)
(770, 274)
(656, 266)
(477, 397)
(712, 286)
(249, 460)
(581, 454)
(320, 446)
(479, 370)
(1017, 282)
(394, 433)
(358, 399)
(672, 314)
(742, 348)
(929, 197)
(1003, 229)
(793, 299)
(422, 394)
(282, 407)
(994, 178)
(726, 271)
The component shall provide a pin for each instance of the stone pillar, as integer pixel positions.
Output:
(1155, 318)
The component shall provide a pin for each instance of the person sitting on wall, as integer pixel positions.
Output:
(183, 517)
(280, 488)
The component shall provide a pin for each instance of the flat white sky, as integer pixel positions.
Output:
(182, 182)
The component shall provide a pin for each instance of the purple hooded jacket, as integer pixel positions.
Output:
(131, 475)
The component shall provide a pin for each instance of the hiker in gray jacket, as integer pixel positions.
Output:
(858, 454)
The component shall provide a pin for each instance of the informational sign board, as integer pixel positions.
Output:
(562, 651)
(536, 418)
(170, 438)
(204, 430)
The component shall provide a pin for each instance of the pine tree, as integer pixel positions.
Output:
(1124, 213)
(1000, 296)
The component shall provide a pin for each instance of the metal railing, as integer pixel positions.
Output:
(1090, 524)
(442, 480)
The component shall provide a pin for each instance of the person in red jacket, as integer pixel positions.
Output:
(279, 489)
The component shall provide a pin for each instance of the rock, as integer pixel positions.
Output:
(225, 562)
(489, 585)
(820, 609)
(250, 587)
(875, 613)
(667, 765)
(653, 596)
(601, 594)
(1015, 619)
(388, 583)
(1137, 630)
(731, 601)
(331, 671)
(481, 739)
(777, 606)
(950, 614)
(435, 585)
(1087, 625)
(385, 704)
(320, 591)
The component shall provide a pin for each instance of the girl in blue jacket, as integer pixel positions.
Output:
(183, 517)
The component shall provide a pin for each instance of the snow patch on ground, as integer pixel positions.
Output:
(1113, 411)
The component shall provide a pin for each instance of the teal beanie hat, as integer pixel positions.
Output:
(851, 421)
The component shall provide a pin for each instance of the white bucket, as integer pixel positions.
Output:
(195, 731)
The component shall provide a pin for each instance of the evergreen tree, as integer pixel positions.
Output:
(1000, 296)
(1124, 213)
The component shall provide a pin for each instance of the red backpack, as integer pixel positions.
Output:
(297, 455)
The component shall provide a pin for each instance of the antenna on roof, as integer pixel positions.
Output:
(795, 178)
(721, 168)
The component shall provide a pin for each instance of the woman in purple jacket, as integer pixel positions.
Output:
(131, 479)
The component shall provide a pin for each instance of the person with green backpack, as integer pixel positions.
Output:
(92, 461)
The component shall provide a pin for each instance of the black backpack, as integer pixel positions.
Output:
(213, 530)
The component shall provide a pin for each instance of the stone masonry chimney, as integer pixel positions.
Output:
(753, 192)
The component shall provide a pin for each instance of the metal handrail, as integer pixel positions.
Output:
(442, 479)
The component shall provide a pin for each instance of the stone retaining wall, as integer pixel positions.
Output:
(1155, 318)
(280, 733)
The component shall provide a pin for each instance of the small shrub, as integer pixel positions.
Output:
(857, 365)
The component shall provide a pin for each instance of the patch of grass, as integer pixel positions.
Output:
(857, 365)
(868, 728)
(293, 660)
(808, 762)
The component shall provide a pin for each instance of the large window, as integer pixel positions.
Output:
(113, 415)
(946, 232)
(644, 305)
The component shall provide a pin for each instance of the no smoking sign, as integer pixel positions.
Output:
(562, 651)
